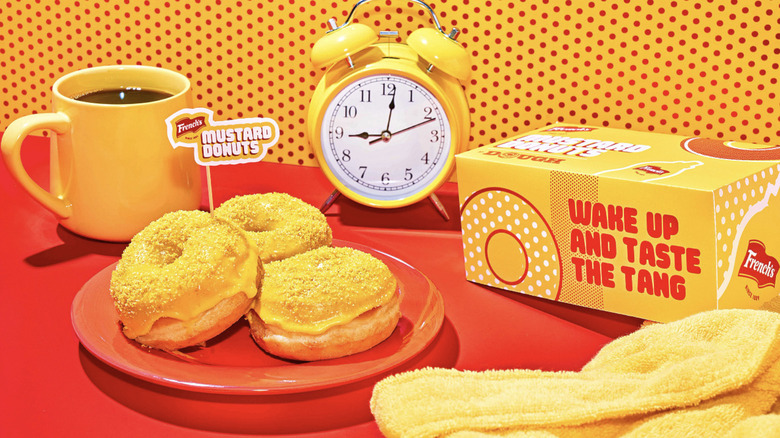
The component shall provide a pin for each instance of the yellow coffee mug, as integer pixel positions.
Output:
(113, 169)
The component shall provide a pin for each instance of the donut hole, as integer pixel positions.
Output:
(263, 227)
(207, 245)
(279, 224)
(161, 250)
(194, 244)
(169, 253)
(256, 221)
(506, 257)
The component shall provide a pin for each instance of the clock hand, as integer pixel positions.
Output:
(365, 135)
(387, 137)
(392, 107)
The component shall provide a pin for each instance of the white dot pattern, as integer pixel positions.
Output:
(502, 209)
(732, 204)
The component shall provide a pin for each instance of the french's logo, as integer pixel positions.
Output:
(187, 125)
(758, 265)
(651, 170)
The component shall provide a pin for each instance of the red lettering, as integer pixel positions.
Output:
(692, 262)
(607, 275)
(579, 212)
(608, 246)
(663, 260)
(630, 244)
(628, 275)
(678, 287)
(644, 282)
(608, 217)
(659, 225)
(629, 220)
(615, 217)
(577, 241)
(646, 253)
(661, 284)
(600, 216)
(594, 272)
(593, 243)
(662, 256)
(578, 263)
(678, 252)
(655, 283)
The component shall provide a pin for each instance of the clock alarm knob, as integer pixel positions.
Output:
(342, 42)
(441, 51)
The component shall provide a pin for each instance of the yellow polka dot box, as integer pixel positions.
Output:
(657, 226)
(696, 68)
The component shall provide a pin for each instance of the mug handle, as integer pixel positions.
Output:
(11, 147)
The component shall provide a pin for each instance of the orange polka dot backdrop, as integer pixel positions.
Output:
(698, 68)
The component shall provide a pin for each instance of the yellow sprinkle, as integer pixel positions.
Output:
(280, 224)
(328, 286)
(180, 265)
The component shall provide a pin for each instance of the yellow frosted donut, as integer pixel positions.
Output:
(183, 279)
(281, 225)
(325, 303)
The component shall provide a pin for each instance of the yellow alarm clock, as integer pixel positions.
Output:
(387, 118)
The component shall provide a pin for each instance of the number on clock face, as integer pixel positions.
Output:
(385, 136)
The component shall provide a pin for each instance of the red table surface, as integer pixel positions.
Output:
(51, 385)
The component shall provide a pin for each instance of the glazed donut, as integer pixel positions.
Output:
(325, 303)
(281, 225)
(184, 279)
(498, 222)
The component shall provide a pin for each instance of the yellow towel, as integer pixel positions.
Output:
(709, 375)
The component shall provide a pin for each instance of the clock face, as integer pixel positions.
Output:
(386, 137)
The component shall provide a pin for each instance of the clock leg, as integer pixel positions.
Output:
(331, 199)
(439, 206)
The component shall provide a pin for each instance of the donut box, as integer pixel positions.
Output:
(649, 225)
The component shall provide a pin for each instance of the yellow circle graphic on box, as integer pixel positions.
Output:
(508, 244)
(506, 257)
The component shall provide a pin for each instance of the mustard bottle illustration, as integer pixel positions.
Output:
(651, 170)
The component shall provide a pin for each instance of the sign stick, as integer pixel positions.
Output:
(220, 142)
(208, 186)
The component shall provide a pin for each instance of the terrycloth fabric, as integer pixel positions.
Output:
(709, 375)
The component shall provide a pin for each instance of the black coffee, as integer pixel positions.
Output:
(123, 96)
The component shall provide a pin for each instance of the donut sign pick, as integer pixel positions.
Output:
(221, 142)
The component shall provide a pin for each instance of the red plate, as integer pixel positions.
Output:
(233, 364)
